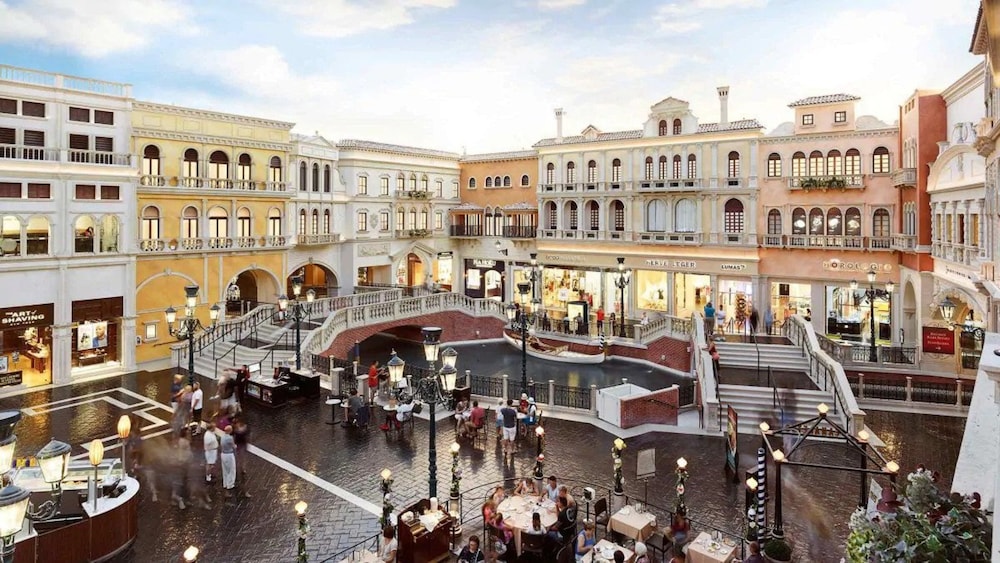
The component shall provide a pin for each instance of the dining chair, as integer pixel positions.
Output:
(601, 515)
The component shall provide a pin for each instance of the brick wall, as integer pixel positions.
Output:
(456, 326)
(656, 408)
(676, 351)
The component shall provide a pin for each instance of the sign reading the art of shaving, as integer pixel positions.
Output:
(23, 317)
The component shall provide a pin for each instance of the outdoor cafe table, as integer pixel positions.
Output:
(604, 552)
(517, 511)
(704, 550)
(633, 524)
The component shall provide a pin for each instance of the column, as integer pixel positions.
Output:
(716, 297)
(713, 181)
(753, 164)
(684, 163)
(127, 343)
(714, 233)
(670, 294)
(752, 230)
(60, 362)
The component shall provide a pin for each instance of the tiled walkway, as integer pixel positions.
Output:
(335, 469)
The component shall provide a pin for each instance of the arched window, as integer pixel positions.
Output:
(663, 128)
(677, 126)
(151, 165)
(733, 218)
(852, 166)
(592, 171)
(472, 183)
(774, 222)
(685, 216)
(815, 164)
(244, 171)
(774, 165)
(525, 181)
(149, 227)
(85, 232)
(496, 182)
(677, 163)
(880, 161)
(413, 218)
(244, 223)
(218, 223)
(362, 221)
(817, 222)
(573, 210)
(10, 235)
(489, 181)
(326, 178)
(734, 164)
(302, 221)
(593, 215)
(551, 216)
(274, 222)
(852, 222)
(692, 167)
(303, 177)
(315, 177)
(799, 221)
(189, 222)
(834, 222)
(834, 163)
(274, 173)
(550, 171)
(488, 217)
(656, 216)
(218, 170)
(314, 226)
(326, 221)
(506, 181)
(647, 172)
(662, 172)
(401, 218)
(423, 184)
(192, 174)
(616, 170)
(571, 172)
(38, 234)
(422, 221)
(799, 164)
(109, 233)
(413, 183)
(617, 215)
(880, 223)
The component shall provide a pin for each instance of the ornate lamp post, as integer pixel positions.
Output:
(13, 507)
(303, 530)
(432, 390)
(871, 294)
(455, 498)
(520, 320)
(539, 457)
(8, 440)
(386, 488)
(682, 477)
(622, 280)
(187, 326)
(96, 457)
(948, 313)
(616, 455)
(298, 312)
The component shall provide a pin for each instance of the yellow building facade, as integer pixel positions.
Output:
(212, 203)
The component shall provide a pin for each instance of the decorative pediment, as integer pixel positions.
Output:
(590, 132)
(669, 105)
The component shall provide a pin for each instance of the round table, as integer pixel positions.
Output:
(333, 410)
(517, 511)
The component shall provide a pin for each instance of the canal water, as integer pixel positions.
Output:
(497, 358)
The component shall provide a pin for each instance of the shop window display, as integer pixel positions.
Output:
(788, 299)
(25, 347)
(849, 315)
(651, 290)
(691, 293)
(561, 287)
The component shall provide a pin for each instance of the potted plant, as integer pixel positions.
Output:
(777, 549)
(809, 183)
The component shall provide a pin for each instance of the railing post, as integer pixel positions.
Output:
(552, 392)
(909, 388)
(593, 400)
(505, 379)
(958, 393)
(861, 386)
(468, 378)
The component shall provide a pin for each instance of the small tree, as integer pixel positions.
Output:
(925, 524)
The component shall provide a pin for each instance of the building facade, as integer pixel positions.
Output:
(67, 185)
(212, 206)
(827, 213)
(397, 215)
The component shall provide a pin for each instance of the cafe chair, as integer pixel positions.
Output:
(601, 515)
(533, 544)
(659, 543)
(566, 555)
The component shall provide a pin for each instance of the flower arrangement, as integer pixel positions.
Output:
(682, 477)
(387, 507)
(456, 473)
(616, 455)
(303, 532)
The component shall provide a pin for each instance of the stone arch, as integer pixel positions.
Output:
(317, 276)
(256, 285)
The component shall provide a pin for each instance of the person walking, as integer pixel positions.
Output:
(600, 320)
(720, 319)
(709, 320)
(197, 402)
(768, 320)
(509, 428)
(176, 389)
(211, 442)
(754, 319)
(179, 461)
(227, 447)
(241, 435)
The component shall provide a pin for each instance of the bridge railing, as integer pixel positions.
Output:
(664, 326)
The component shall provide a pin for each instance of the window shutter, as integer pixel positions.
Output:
(8, 106)
(104, 117)
(7, 136)
(84, 191)
(10, 190)
(34, 138)
(79, 114)
(110, 192)
(39, 191)
(79, 142)
(106, 144)
(32, 109)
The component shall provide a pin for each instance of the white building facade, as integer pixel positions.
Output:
(67, 186)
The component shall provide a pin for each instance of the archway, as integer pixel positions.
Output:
(909, 319)
(316, 277)
(412, 271)
(248, 289)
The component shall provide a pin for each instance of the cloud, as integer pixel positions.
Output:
(265, 74)
(90, 30)
(676, 18)
(343, 18)
(552, 5)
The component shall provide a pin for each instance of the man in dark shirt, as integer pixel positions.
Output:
(355, 403)
(509, 427)
(562, 530)
(755, 556)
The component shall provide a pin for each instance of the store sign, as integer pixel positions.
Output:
(23, 317)
(484, 263)
(11, 378)
(557, 259)
(444, 254)
(938, 340)
(676, 264)
(732, 267)
(836, 265)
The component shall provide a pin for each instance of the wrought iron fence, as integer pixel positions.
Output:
(368, 544)
(970, 359)
(486, 386)
(897, 355)
(685, 394)
(540, 390)
(926, 392)
(573, 397)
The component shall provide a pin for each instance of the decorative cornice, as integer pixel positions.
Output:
(831, 136)
(499, 156)
(207, 114)
(210, 140)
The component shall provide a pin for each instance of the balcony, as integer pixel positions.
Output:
(959, 253)
(879, 243)
(904, 243)
(310, 240)
(416, 194)
(51, 154)
(412, 233)
(593, 187)
(674, 184)
(904, 177)
(519, 232)
(207, 244)
(826, 182)
(670, 238)
(20, 152)
(466, 231)
(214, 184)
(152, 180)
(99, 157)
(838, 242)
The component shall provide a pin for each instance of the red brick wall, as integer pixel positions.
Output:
(656, 408)
(455, 327)
(676, 351)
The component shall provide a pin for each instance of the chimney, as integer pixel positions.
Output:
(559, 115)
(723, 105)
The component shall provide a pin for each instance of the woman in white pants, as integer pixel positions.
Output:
(211, 451)
(227, 447)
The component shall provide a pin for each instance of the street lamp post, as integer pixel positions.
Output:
(621, 282)
(539, 457)
(871, 294)
(432, 390)
(13, 507)
(948, 313)
(187, 326)
(298, 311)
(124, 429)
(519, 321)
(303, 530)
(96, 456)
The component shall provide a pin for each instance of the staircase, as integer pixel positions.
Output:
(779, 357)
(754, 405)
(273, 340)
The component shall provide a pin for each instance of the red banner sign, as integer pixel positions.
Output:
(938, 340)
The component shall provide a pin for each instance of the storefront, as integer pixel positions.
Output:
(789, 299)
(95, 332)
(443, 271)
(26, 345)
(484, 278)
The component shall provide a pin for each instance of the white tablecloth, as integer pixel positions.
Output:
(604, 552)
(632, 524)
(703, 550)
(517, 511)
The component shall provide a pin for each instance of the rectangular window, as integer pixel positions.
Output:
(34, 138)
(438, 221)
(150, 331)
(243, 227)
(104, 117)
(39, 191)
(383, 188)
(383, 220)
(8, 105)
(112, 193)
(807, 119)
(413, 183)
(105, 144)
(439, 188)
(362, 185)
(8, 136)
(880, 163)
(774, 168)
(274, 226)
(960, 238)
(974, 230)
(150, 228)
(32, 109)
(423, 184)
(840, 117)
(78, 143)
(948, 228)
(85, 191)
(362, 221)
(400, 185)
(10, 190)
(79, 114)
(422, 223)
